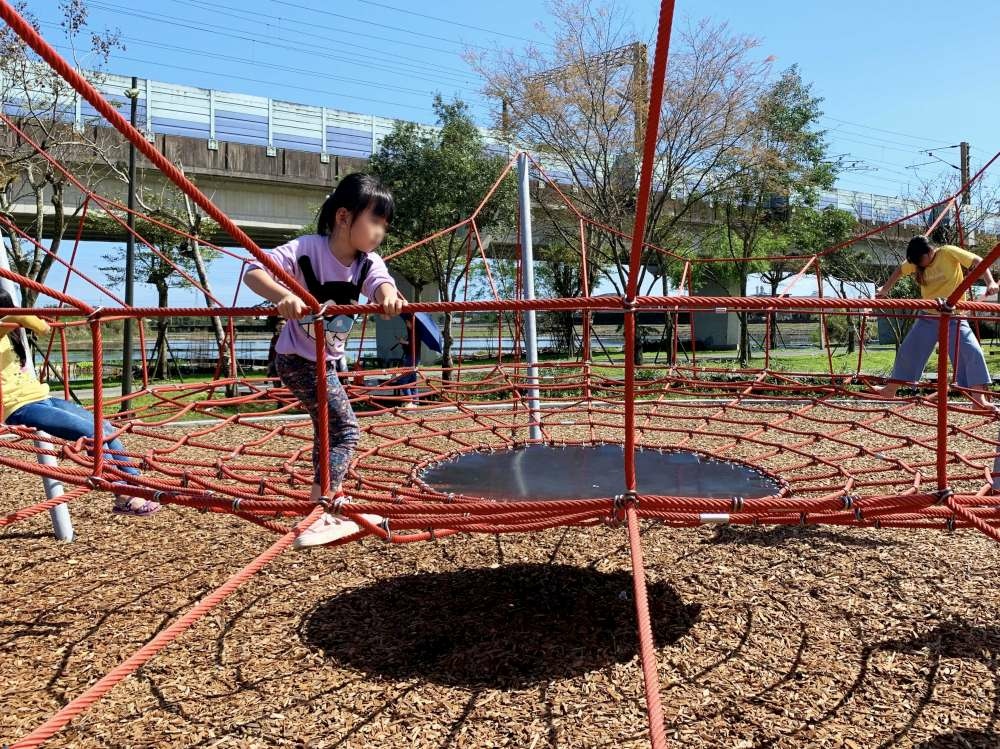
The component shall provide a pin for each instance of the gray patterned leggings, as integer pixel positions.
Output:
(299, 376)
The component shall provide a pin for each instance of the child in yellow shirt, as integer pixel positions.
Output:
(26, 402)
(939, 271)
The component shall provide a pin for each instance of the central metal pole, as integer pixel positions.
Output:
(528, 283)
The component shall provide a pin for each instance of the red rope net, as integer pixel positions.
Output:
(239, 444)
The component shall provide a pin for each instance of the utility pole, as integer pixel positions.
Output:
(964, 150)
(133, 95)
(640, 95)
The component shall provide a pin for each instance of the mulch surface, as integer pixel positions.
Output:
(819, 637)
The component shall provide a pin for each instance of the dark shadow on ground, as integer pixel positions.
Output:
(965, 739)
(509, 627)
(953, 639)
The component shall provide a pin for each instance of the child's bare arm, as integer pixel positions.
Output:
(388, 296)
(884, 291)
(30, 322)
(289, 305)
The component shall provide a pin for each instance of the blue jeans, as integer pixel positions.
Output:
(70, 422)
(918, 344)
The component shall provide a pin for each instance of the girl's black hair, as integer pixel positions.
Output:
(15, 335)
(916, 248)
(356, 192)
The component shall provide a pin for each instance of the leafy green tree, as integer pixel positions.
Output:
(781, 167)
(438, 177)
(41, 104)
(157, 264)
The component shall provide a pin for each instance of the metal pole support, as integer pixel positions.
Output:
(528, 281)
(62, 525)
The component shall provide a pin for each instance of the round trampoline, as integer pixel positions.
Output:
(540, 472)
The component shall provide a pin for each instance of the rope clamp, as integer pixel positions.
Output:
(315, 316)
(944, 495)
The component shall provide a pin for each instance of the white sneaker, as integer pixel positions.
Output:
(330, 528)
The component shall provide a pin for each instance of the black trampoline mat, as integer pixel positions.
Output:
(584, 472)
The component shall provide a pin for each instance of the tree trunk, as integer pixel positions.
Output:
(159, 371)
(217, 327)
(772, 336)
(446, 361)
(668, 339)
(568, 334)
(850, 323)
(637, 358)
(744, 342)
(29, 296)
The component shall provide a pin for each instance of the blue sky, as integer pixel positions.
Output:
(895, 83)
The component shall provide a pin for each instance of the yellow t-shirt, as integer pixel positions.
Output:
(944, 274)
(19, 387)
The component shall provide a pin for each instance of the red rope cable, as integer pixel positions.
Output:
(104, 685)
(647, 651)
